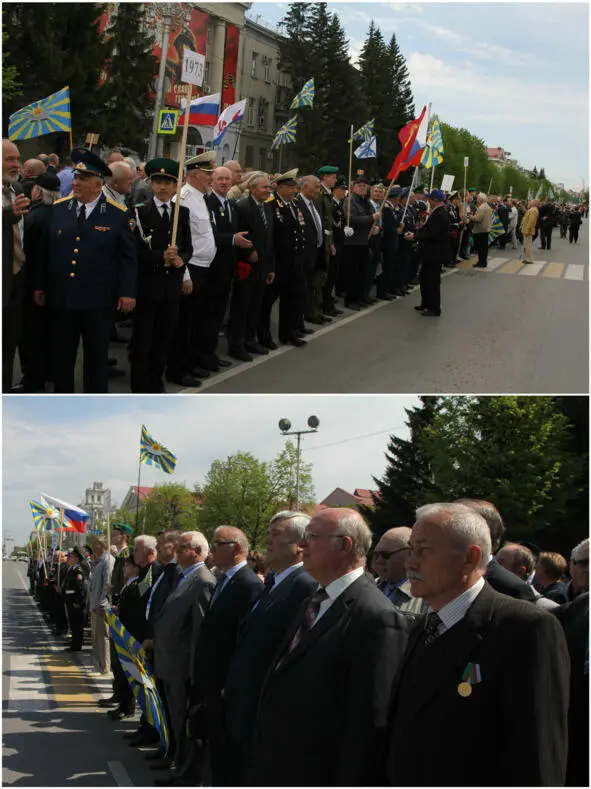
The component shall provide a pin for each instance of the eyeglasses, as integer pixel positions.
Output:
(309, 536)
(387, 554)
(581, 562)
(215, 543)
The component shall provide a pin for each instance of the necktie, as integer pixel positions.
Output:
(165, 214)
(432, 627)
(82, 214)
(309, 617)
(269, 585)
(18, 256)
(218, 589)
(227, 210)
(316, 219)
(263, 217)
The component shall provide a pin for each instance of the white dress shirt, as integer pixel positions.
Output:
(108, 191)
(336, 588)
(229, 573)
(201, 231)
(169, 206)
(89, 206)
(283, 575)
(454, 611)
(316, 218)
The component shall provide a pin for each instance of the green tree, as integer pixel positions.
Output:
(54, 45)
(130, 68)
(169, 506)
(378, 91)
(238, 492)
(283, 478)
(11, 87)
(407, 481)
(513, 451)
(400, 108)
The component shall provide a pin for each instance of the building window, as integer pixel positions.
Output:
(249, 156)
(263, 113)
(253, 65)
(250, 114)
(268, 72)
(262, 158)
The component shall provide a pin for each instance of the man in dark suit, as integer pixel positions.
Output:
(316, 265)
(289, 285)
(256, 270)
(176, 631)
(362, 219)
(551, 568)
(326, 694)
(160, 277)
(216, 287)
(237, 590)
(484, 679)
(311, 249)
(433, 238)
(89, 272)
(262, 631)
(497, 576)
(14, 206)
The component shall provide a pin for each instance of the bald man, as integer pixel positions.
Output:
(235, 168)
(388, 562)
(31, 169)
(118, 187)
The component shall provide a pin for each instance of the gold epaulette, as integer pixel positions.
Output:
(270, 199)
(116, 204)
(63, 199)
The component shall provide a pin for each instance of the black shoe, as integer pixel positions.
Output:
(415, 282)
(73, 649)
(240, 354)
(306, 331)
(133, 735)
(350, 305)
(185, 380)
(112, 361)
(161, 764)
(116, 372)
(330, 311)
(326, 319)
(206, 366)
(371, 301)
(144, 738)
(255, 347)
(481, 265)
(221, 362)
(119, 713)
(419, 308)
(297, 342)
(315, 321)
(112, 701)
(201, 372)
(267, 342)
(158, 754)
(430, 313)
(386, 297)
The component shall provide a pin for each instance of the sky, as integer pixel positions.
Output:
(61, 445)
(514, 74)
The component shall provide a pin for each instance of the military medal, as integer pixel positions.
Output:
(465, 689)
(471, 676)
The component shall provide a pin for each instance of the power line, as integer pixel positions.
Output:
(355, 438)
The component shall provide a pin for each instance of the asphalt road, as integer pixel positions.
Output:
(54, 734)
(511, 328)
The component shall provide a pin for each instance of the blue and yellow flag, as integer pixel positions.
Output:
(154, 454)
(539, 192)
(136, 666)
(48, 518)
(433, 153)
(550, 194)
(42, 117)
(287, 133)
(496, 229)
(366, 132)
(305, 97)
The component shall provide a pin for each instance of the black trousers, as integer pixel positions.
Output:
(315, 279)
(481, 247)
(34, 348)
(573, 234)
(371, 266)
(289, 286)
(76, 619)
(388, 280)
(11, 328)
(59, 613)
(341, 284)
(121, 687)
(330, 284)
(154, 328)
(431, 285)
(245, 310)
(463, 241)
(181, 358)
(355, 261)
(94, 328)
(546, 236)
(212, 299)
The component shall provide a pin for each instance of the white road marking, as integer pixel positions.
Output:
(575, 271)
(531, 269)
(120, 774)
(243, 367)
(26, 692)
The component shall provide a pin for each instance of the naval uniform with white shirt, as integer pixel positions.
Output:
(158, 292)
(183, 354)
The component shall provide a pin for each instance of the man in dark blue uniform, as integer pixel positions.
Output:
(88, 273)
(160, 277)
(75, 589)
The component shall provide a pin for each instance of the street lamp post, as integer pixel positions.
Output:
(285, 427)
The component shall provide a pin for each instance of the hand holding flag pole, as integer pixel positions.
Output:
(348, 230)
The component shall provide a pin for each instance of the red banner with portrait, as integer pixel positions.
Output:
(230, 66)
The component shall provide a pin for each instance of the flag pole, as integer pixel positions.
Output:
(109, 532)
(137, 506)
(412, 183)
(432, 178)
(71, 143)
(177, 206)
(61, 534)
(464, 205)
(350, 176)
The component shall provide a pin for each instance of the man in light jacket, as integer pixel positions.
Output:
(481, 224)
(528, 229)
(99, 582)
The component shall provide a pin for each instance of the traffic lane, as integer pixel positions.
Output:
(496, 334)
(48, 692)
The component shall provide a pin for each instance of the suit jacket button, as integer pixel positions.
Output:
(73, 262)
(77, 238)
(72, 274)
(75, 251)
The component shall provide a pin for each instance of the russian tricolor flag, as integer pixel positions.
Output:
(413, 139)
(204, 111)
(74, 517)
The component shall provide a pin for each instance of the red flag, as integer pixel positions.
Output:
(407, 136)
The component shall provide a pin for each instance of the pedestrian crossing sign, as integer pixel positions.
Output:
(167, 121)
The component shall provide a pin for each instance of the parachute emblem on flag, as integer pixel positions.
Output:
(305, 97)
(286, 134)
(154, 454)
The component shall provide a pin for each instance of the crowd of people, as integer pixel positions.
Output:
(325, 662)
(88, 243)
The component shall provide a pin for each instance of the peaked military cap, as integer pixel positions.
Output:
(395, 191)
(48, 181)
(327, 169)
(288, 178)
(77, 550)
(378, 183)
(204, 161)
(405, 191)
(360, 179)
(87, 163)
(472, 189)
(164, 168)
(419, 189)
(89, 548)
(124, 528)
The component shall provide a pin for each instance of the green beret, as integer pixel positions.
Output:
(327, 169)
(124, 528)
(472, 189)
(164, 168)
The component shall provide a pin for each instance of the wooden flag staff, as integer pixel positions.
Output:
(175, 222)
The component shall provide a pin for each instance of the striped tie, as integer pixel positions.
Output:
(309, 617)
(432, 627)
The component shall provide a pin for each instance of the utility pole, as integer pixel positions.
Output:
(285, 427)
